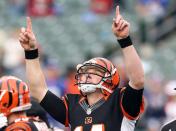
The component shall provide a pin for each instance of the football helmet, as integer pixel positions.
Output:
(14, 95)
(103, 70)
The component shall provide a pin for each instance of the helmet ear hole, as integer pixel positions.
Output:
(5, 104)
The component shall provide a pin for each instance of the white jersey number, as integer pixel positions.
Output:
(96, 127)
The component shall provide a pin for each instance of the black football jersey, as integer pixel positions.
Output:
(108, 114)
(105, 115)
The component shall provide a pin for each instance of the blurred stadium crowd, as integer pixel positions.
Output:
(70, 31)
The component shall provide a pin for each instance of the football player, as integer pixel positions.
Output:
(14, 101)
(169, 126)
(101, 105)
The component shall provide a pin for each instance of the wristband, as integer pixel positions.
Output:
(31, 54)
(125, 42)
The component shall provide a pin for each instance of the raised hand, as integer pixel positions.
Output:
(120, 27)
(27, 38)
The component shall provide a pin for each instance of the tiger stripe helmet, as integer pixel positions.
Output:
(109, 81)
(14, 95)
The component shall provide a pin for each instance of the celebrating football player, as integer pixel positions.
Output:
(101, 105)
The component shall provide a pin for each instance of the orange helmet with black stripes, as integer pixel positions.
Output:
(103, 68)
(14, 95)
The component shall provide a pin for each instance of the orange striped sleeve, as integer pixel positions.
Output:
(66, 106)
(125, 113)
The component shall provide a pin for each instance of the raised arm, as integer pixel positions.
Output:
(132, 95)
(55, 106)
(34, 73)
(133, 65)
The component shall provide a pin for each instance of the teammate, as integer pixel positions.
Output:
(170, 126)
(101, 105)
(14, 101)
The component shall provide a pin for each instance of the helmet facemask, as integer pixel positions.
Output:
(86, 75)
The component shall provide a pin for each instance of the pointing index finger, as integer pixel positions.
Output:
(29, 24)
(117, 11)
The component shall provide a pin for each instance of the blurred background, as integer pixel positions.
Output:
(72, 31)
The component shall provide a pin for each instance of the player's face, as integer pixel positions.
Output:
(90, 75)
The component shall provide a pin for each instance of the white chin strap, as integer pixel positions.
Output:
(90, 88)
(87, 88)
